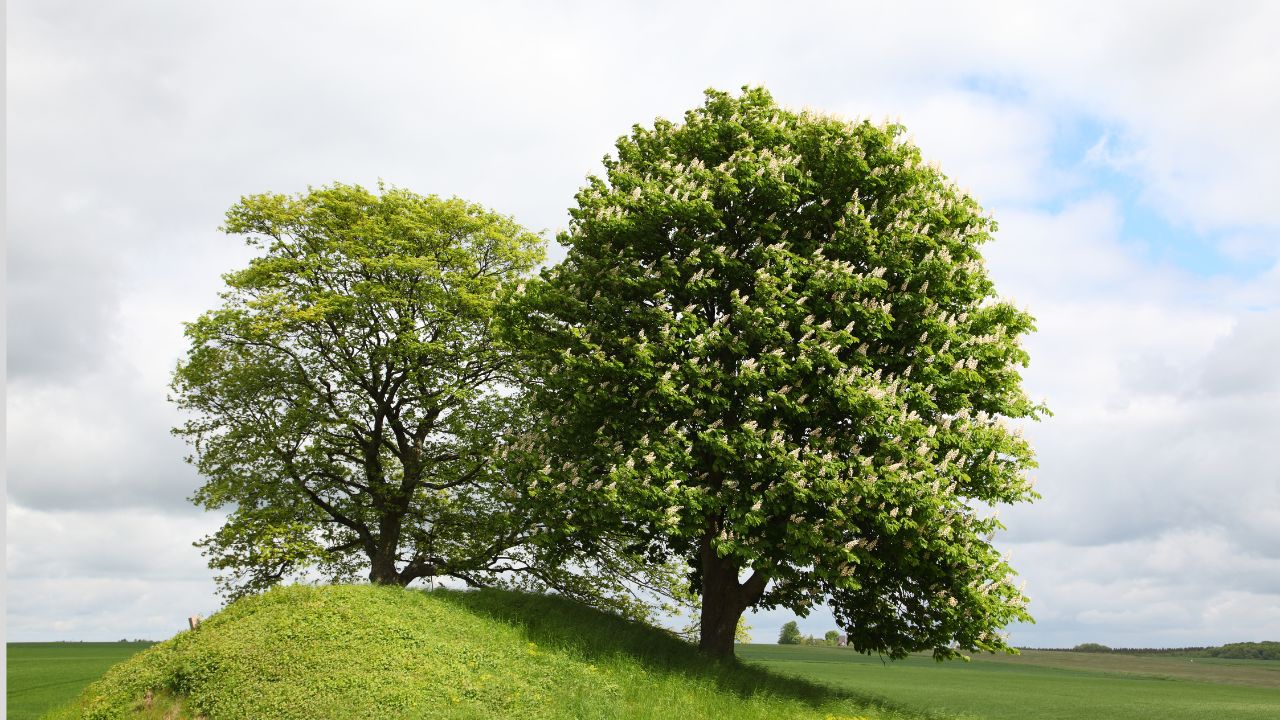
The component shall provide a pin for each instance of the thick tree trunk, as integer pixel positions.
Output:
(382, 566)
(720, 613)
(384, 574)
(724, 600)
(386, 546)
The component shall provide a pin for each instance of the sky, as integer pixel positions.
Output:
(1128, 152)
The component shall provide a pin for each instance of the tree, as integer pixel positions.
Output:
(773, 351)
(790, 634)
(1091, 648)
(345, 398)
(832, 637)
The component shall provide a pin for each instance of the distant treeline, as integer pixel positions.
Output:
(1266, 650)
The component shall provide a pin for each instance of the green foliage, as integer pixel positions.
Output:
(790, 634)
(344, 399)
(1266, 650)
(831, 638)
(377, 651)
(350, 403)
(773, 350)
(1091, 648)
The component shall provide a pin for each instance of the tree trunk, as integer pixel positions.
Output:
(720, 613)
(724, 600)
(386, 550)
(382, 567)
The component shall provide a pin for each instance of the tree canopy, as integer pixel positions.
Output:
(345, 397)
(773, 352)
(790, 633)
(351, 404)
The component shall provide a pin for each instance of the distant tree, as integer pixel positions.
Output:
(773, 351)
(790, 634)
(1266, 650)
(832, 637)
(349, 403)
(1091, 648)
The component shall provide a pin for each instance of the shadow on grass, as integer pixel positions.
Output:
(555, 622)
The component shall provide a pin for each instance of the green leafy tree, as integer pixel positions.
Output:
(344, 399)
(1091, 648)
(1266, 650)
(773, 351)
(790, 634)
(352, 406)
(831, 638)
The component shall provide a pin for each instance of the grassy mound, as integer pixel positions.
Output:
(361, 652)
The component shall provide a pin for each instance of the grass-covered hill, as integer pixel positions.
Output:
(378, 652)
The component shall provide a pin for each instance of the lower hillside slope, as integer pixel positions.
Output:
(379, 652)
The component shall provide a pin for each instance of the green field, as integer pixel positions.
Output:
(1045, 685)
(365, 652)
(41, 676)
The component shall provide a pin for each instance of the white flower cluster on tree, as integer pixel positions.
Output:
(775, 347)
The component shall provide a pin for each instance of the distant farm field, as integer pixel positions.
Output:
(41, 676)
(1044, 685)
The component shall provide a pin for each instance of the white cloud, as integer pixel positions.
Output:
(1187, 88)
(1244, 362)
(133, 544)
(103, 575)
(98, 441)
(997, 149)
(1169, 590)
(1165, 403)
(103, 609)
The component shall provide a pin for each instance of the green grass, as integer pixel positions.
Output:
(1044, 685)
(43, 675)
(361, 651)
(1211, 670)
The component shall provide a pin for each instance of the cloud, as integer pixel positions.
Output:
(103, 609)
(1185, 90)
(102, 575)
(1177, 589)
(1244, 362)
(100, 440)
(62, 288)
(125, 543)
(997, 148)
(1166, 404)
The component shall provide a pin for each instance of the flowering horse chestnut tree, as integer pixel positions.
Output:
(773, 351)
